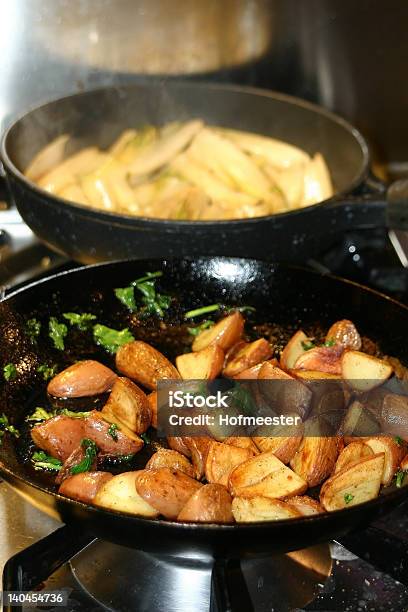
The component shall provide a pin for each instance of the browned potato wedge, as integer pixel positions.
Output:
(293, 350)
(352, 453)
(141, 362)
(284, 398)
(359, 421)
(344, 332)
(210, 504)
(357, 483)
(166, 457)
(321, 358)
(82, 379)
(243, 442)
(152, 399)
(205, 364)
(166, 490)
(315, 459)
(404, 464)
(222, 459)
(198, 449)
(394, 415)
(265, 476)
(225, 333)
(110, 417)
(248, 356)
(311, 375)
(179, 444)
(364, 372)
(261, 508)
(84, 486)
(393, 454)
(130, 405)
(253, 373)
(119, 493)
(283, 446)
(307, 506)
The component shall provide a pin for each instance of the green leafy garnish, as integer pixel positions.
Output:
(195, 331)
(57, 333)
(40, 414)
(82, 321)
(348, 497)
(145, 438)
(197, 312)
(400, 477)
(33, 329)
(42, 461)
(154, 303)
(329, 342)
(124, 458)
(73, 413)
(10, 371)
(91, 450)
(47, 371)
(6, 426)
(113, 431)
(127, 296)
(111, 339)
(398, 440)
(242, 398)
(307, 345)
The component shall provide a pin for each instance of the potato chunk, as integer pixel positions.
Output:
(119, 493)
(344, 332)
(141, 362)
(210, 504)
(166, 457)
(307, 506)
(204, 364)
(167, 490)
(130, 405)
(248, 356)
(293, 350)
(321, 358)
(243, 442)
(393, 453)
(357, 483)
(315, 459)
(265, 476)
(225, 333)
(82, 379)
(273, 439)
(364, 372)
(262, 509)
(222, 459)
(351, 453)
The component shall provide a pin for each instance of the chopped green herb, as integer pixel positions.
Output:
(33, 329)
(149, 276)
(400, 477)
(398, 440)
(57, 333)
(111, 339)
(42, 461)
(242, 398)
(307, 345)
(125, 458)
(329, 342)
(40, 414)
(348, 497)
(47, 371)
(74, 414)
(5, 426)
(82, 321)
(197, 312)
(195, 331)
(10, 371)
(91, 450)
(127, 296)
(113, 431)
(145, 438)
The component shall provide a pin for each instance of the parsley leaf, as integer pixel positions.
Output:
(242, 398)
(40, 414)
(127, 296)
(10, 371)
(47, 371)
(348, 497)
(57, 333)
(195, 331)
(5, 426)
(400, 477)
(145, 438)
(82, 321)
(197, 312)
(307, 345)
(111, 339)
(91, 450)
(113, 431)
(42, 461)
(154, 303)
(329, 342)
(398, 440)
(33, 329)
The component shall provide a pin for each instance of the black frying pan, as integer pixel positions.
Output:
(288, 296)
(98, 117)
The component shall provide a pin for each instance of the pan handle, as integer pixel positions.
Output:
(229, 592)
(28, 568)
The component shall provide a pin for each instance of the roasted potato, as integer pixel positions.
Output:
(364, 372)
(210, 504)
(204, 364)
(322, 359)
(394, 415)
(82, 379)
(225, 333)
(253, 372)
(243, 442)
(404, 464)
(351, 453)
(110, 417)
(265, 476)
(315, 459)
(222, 459)
(359, 421)
(166, 457)
(167, 490)
(357, 483)
(307, 506)
(393, 451)
(272, 439)
(84, 486)
(248, 356)
(258, 508)
(119, 493)
(143, 363)
(289, 396)
(152, 399)
(293, 350)
(198, 448)
(344, 332)
(130, 405)
(179, 444)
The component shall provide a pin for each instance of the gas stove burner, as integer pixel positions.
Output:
(118, 578)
